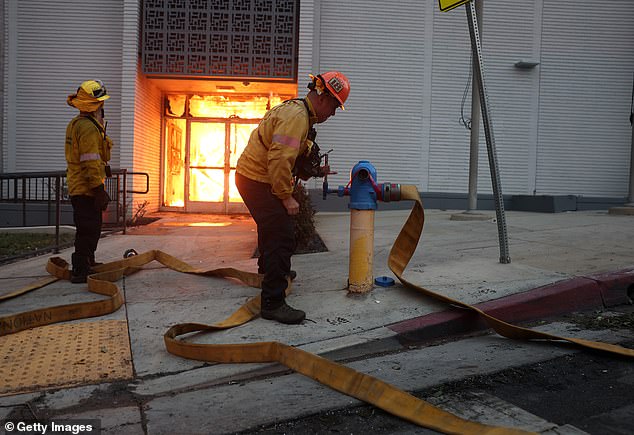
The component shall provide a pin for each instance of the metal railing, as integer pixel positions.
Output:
(48, 192)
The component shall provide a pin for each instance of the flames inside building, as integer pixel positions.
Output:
(204, 137)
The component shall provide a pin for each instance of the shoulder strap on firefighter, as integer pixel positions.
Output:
(74, 122)
(101, 128)
(312, 133)
(303, 100)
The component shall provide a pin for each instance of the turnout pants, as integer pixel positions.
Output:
(276, 238)
(88, 222)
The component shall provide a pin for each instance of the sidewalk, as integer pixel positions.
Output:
(560, 263)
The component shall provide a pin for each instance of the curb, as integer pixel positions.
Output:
(574, 294)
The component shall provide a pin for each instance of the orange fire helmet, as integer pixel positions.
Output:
(335, 82)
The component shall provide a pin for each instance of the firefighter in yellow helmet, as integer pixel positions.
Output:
(264, 177)
(87, 155)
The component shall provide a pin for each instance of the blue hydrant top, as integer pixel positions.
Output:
(362, 189)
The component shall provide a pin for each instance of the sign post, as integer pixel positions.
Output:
(478, 66)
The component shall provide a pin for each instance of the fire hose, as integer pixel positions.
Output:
(329, 373)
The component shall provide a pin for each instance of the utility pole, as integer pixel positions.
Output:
(478, 80)
(474, 142)
(471, 214)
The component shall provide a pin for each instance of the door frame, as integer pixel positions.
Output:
(224, 207)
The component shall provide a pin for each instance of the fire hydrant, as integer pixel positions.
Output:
(364, 193)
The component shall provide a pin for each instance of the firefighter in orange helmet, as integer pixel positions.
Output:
(87, 155)
(264, 178)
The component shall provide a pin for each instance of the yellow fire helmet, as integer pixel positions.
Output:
(96, 89)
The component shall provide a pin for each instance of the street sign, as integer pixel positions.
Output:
(447, 5)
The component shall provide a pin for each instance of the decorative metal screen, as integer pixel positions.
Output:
(221, 38)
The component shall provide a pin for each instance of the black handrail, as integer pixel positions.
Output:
(50, 187)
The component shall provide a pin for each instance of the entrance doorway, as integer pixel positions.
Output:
(214, 149)
(204, 137)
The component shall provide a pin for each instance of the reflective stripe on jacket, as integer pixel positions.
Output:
(87, 153)
(275, 144)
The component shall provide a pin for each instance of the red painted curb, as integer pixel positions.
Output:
(575, 294)
(616, 287)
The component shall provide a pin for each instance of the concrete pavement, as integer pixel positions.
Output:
(560, 263)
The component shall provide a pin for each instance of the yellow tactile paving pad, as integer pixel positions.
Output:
(64, 355)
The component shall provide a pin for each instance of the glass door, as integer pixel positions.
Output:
(214, 149)
(174, 164)
(239, 134)
(204, 136)
(206, 167)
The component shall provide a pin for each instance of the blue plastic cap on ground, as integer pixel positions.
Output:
(384, 281)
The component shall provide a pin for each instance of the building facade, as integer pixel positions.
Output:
(189, 80)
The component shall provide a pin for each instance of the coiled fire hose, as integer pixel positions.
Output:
(331, 374)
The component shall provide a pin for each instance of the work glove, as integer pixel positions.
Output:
(101, 198)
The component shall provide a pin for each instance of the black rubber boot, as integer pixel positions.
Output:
(92, 262)
(81, 269)
(283, 314)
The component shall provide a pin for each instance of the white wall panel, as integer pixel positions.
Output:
(507, 35)
(586, 88)
(147, 143)
(380, 47)
(308, 25)
(140, 118)
(3, 40)
(57, 45)
(449, 140)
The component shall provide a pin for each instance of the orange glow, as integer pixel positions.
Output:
(240, 134)
(207, 162)
(220, 106)
(196, 224)
(174, 181)
(210, 224)
(218, 133)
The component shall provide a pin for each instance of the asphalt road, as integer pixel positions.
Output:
(579, 392)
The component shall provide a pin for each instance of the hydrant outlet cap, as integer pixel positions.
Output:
(384, 281)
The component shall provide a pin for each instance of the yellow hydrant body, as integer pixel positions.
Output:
(360, 278)
(364, 193)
